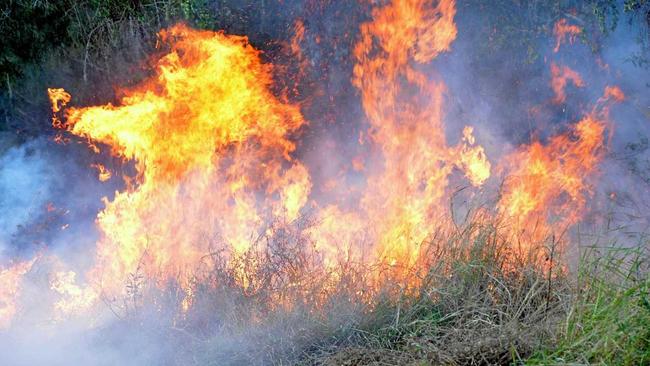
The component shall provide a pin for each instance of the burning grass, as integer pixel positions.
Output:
(474, 305)
(227, 166)
(476, 302)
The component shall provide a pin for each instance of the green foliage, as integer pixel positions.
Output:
(200, 13)
(609, 321)
(607, 14)
(29, 29)
(637, 6)
(34, 28)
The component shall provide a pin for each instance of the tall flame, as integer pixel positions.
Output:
(549, 184)
(404, 109)
(206, 135)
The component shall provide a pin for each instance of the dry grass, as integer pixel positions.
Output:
(477, 303)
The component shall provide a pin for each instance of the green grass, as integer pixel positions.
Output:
(608, 322)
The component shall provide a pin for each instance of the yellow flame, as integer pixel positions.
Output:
(206, 135)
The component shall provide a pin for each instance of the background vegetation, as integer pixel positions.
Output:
(93, 42)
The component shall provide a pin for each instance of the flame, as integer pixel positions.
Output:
(10, 285)
(613, 93)
(560, 76)
(564, 33)
(338, 236)
(404, 109)
(206, 135)
(58, 98)
(549, 184)
(214, 153)
(103, 173)
(211, 148)
(74, 299)
(473, 159)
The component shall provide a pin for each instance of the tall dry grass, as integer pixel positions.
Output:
(478, 302)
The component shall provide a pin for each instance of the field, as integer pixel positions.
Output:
(403, 182)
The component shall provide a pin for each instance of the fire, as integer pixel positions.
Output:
(207, 137)
(614, 93)
(213, 155)
(560, 76)
(103, 173)
(564, 32)
(543, 174)
(473, 159)
(216, 166)
(58, 98)
(73, 299)
(549, 184)
(407, 195)
(10, 285)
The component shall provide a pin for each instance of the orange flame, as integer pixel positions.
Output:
(548, 184)
(473, 159)
(58, 98)
(407, 126)
(298, 37)
(564, 33)
(213, 150)
(560, 76)
(103, 173)
(206, 135)
(615, 93)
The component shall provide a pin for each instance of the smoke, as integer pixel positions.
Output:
(503, 88)
(72, 345)
(49, 197)
(27, 183)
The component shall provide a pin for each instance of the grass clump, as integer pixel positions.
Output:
(480, 303)
(608, 321)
